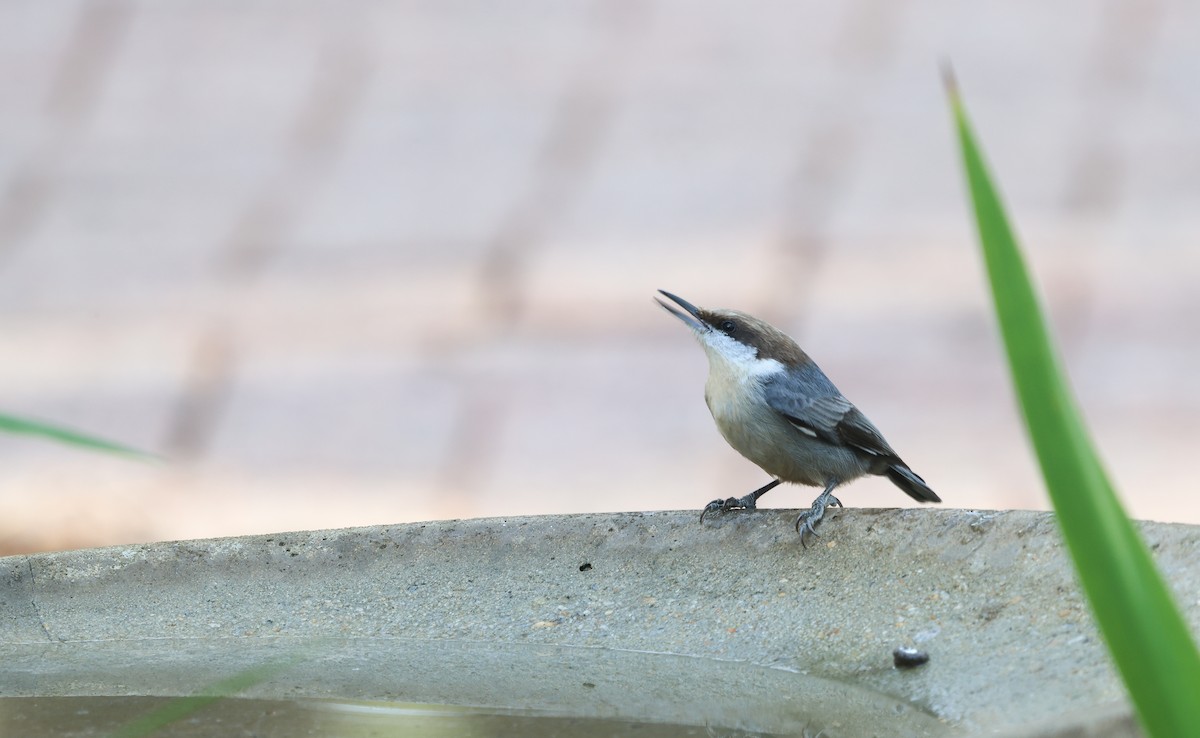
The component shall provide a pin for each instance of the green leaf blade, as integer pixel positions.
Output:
(182, 707)
(26, 427)
(1145, 632)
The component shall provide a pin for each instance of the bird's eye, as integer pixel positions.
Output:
(728, 326)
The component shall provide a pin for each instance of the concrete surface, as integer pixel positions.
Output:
(351, 261)
(989, 595)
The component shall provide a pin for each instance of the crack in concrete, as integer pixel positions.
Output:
(37, 611)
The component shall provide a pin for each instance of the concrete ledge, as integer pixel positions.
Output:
(989, 595)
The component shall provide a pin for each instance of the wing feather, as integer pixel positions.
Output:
(814, 406)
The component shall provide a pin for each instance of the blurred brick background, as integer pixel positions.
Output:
(366, 262)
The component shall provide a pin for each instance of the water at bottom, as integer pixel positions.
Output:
(380, 686)
(88, 717)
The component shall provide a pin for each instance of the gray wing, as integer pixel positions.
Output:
(815, 407)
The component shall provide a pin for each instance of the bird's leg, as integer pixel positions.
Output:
(806, 524)
(749, 502)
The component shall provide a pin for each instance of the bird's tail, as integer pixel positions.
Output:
(913, 486)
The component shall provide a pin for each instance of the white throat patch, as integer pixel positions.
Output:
(734, 360)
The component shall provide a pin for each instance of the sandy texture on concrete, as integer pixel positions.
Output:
(990, 596)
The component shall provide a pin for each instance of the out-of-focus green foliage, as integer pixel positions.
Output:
(182, 707)
(22, 426)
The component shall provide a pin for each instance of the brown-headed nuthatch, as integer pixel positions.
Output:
(776, 407)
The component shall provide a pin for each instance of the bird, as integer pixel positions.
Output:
(774, 406)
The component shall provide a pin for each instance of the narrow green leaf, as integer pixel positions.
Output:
(1146, 634)
(182, 707)
(21, 426)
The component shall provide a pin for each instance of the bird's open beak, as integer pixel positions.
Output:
(691, 317)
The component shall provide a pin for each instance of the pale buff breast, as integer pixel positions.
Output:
(764, 437)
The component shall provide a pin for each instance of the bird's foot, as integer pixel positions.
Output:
(749, 502)
(806, 523)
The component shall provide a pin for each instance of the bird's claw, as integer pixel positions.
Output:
(806, 526)
(806, 522)
(730, 503)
